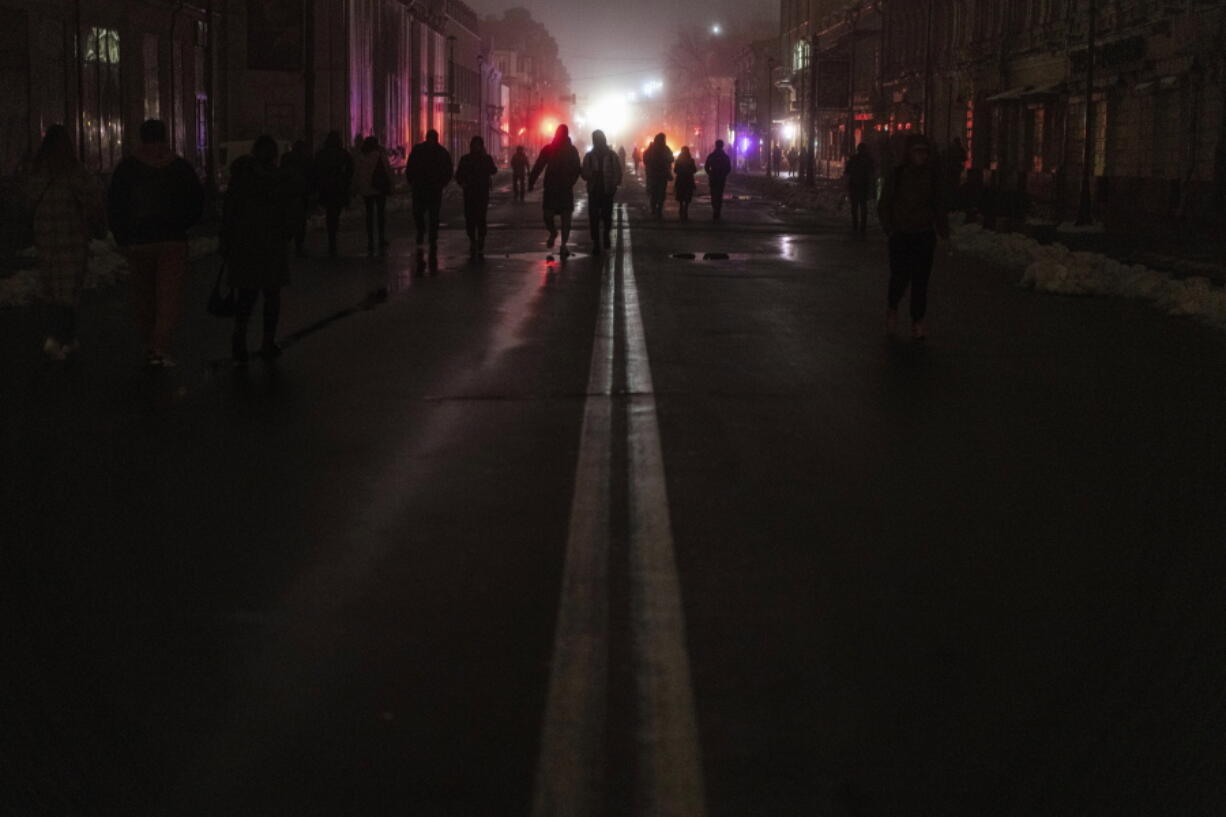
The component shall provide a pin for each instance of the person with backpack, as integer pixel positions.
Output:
(475, 176)
(912, 212)
(154, 198)
(66, 205)
(602, 170)
(428, 171)
(373, 177)
(519, 174)
(334, 178)
(257, 225)
(559, 161)
(719, 168)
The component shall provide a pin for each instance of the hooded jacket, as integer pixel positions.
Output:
(155, 197)
(605, 164)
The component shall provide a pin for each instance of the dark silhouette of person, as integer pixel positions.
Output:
(257, 224)
(155, 196)
(777, 160)
(298, 164)
(637, 156)
(912, 212)
(686, 170)
(334, 180)
(658, 168)
(519, 174)
(428, 171)
(559, 161)
(602, 170)
(475, 175)
(794, 162)
(621, 156)
(719, 168)
(955, 162)
(373, 178)
(861, 174)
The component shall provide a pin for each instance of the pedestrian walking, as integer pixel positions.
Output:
(68, 209)
(861, 174)
(621, 156)
(602, 170)
(257, 225)
(913, 214)
(658, 168)
(428, 171)
(559, 161)
(519, 174)
(297, 163)
(955, 163)
(373, 176)
(686, 170)
(719, 168)
(475, 174)
(793, 161)
(154, 198)
(334, 180)
(637, 156)
(777, 160)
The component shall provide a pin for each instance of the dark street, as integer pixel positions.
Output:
(620, 535)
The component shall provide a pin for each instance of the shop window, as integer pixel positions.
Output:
(101, 101)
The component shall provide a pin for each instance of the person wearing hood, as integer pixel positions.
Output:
(719, 168)
(687, 170)
(334, 179)
(154, 198)
(475, 175)
(428, 171)
(257, 224)
(559, 161)
(66, 202)
(519, 173)
(912, 212)
(373, 177)
(658, 168)
(602, 170)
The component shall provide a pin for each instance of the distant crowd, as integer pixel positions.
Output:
(155, 197)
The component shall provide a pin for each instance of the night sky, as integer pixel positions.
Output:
(610, 46)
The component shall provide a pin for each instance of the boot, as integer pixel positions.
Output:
(238, 343)
(270, 349)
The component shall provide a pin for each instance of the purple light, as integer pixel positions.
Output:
(744, 143)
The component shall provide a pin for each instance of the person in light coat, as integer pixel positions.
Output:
(602, 170)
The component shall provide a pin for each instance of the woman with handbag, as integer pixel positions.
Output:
(257, 225)
(373, 177)
(68, 209)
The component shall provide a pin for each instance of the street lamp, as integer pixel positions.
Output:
(717, 29)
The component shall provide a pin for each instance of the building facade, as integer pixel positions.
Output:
(1031, 93)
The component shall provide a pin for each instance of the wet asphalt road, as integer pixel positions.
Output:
(978, 576)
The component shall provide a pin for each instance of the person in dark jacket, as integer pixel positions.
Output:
(519, 174)
(334, 180)
(257, 224)
(912, 212)
(637, 157)
(686, 170)
(861, 173)
(428, 171)
(298, 164)
(154, 198)
(602, 170)
(559, 161)
(475, 175)
(658, 168)
(719, 168)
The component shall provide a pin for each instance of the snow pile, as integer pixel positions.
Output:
(107, 267)
(1054, 268)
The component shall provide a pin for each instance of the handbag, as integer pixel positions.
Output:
(222, 306)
